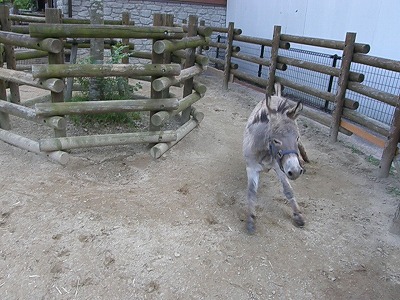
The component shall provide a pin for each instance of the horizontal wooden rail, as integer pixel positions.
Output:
(223, 46)
(373, 93)
(365, 121)
(328, 70)
(29, 114)
(163, 83)
(34, 19)
(249, 78)
(20, 77)
(32, 146)
(221, 62)
(91, 70)
(66, 143)
(378, 62)
(161, 117)
(104, 31)
(159, 149)
(258, 60)
(140, 54)
(199, 59)
(91, 107)
(22, 40)
(30, 54)
(23, 29)
(164, 46)
(260, 41)
(201, 30)
(236, 31)
(324, 43)
(351, 104)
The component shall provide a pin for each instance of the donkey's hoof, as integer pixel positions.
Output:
(251, 228)
(298, 220)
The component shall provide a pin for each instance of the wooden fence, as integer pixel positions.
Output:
(50, 36)
(345, 117)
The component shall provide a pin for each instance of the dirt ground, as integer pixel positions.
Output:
(116, 224)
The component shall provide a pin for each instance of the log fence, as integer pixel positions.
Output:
(345, 118)
(52, 36)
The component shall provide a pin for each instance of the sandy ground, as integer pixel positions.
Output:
(116, 224)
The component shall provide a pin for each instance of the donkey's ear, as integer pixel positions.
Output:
(294, 112)
(267, 102)
(278, 89)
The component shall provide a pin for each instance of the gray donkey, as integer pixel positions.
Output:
(271, 140)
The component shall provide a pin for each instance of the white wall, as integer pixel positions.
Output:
(376, 22)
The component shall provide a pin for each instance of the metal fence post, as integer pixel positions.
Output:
(330, 84)
(261, 56)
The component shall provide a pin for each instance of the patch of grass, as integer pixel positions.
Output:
(112, 88)
(395, 191)
(356, 151)
(129, 118)
(373, 160)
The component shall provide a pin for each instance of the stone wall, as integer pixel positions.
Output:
(141, 12)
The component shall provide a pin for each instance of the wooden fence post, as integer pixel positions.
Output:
(389, 152)
(273, 60)
(9, 52)
(189, 62)
(53, 15)
(158, 20)
(200, 49)
(228, 54)
(343, 80)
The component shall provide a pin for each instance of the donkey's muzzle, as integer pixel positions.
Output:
(292, 167)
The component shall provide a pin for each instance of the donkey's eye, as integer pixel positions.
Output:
(298, 138)
(277, 142)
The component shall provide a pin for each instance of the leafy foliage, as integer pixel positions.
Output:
(113, 88)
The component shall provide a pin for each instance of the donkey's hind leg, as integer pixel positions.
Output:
(253, 175)
(289, 194)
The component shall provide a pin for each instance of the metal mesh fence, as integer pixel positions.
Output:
(383, 80)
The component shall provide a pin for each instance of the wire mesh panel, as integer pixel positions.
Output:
(309, 78)
(380, 79)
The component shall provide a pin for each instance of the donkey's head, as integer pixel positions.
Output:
(284, 136)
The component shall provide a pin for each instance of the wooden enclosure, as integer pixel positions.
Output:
(345, 117)
(172, 61)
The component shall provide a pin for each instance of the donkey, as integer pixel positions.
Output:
(271, 141)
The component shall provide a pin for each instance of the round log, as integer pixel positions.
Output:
(200, 59)
(260, 41)
(30, 54)
(164, 46)
(64, 143)
(32, 146)
(104, 70)
(39, 99)
(324, 43)
(161, 117)
(29, 114)
(104, 31)
(159, 149)
(22, 40)
(52, 84)
(91, 107)
(163, 83)
(199, 88)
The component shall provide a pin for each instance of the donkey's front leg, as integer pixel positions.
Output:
(288, 191)
(253, 175)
